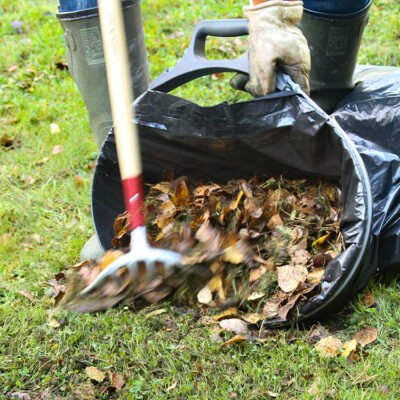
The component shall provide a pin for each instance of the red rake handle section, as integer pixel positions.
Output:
(134, 200)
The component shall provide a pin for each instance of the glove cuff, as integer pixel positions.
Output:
(276, 12)
(272, 3)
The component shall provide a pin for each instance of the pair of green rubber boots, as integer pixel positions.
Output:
(334, 41)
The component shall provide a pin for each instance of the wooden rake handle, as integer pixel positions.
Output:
(121, 98)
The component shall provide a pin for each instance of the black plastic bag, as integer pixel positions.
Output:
(370, 115)
(278, 134)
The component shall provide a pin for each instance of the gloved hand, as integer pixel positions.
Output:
(274, 41)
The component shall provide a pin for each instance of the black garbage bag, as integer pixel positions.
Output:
(282, 133)
(370, 115)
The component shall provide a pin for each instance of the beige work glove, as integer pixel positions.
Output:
(275, 41)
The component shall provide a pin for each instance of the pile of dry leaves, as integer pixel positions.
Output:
(259, 245)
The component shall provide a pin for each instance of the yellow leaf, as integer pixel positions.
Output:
(255, 296)
(321, 240)
(54, 323)
(349, 347)
(95, 374)
(234, 204)
(236, 339)
(230, 312)
(252, 318)
(54, 128)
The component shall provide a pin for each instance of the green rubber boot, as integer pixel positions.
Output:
(86, 60)
(334, 41)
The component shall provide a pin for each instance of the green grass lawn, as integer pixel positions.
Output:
(45, 219)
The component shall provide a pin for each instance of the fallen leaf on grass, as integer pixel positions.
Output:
(270, 309)
(95, 374)
(53, 323)
(78, 180)
(156, 312)
(368, 300)
(230, 312)
(199, 367)
(6, 141)
(172, 387)
(366, 336)
(117, 381)
(57, 149)
(204, 296)
(329, 346)
(236, 339)
(54, 128)
(256, 273)
(252, 318)
(234, 325)
(28, 180)
(255, 296)
(349, 347)
(26, 294)
(290, 277)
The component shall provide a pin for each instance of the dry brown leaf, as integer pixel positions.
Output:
(205, 190)
(78, 180)
(236, 339)
(274, 222)
(117, 381)
(252, 318)
(300, 257)
(256, 273)
(29, 180)
(57, 149)
(230, 312)
(329, 346)
(163, 187)
(6, 141)
(95, 374)
(234, 325)
(368, 300)
(366, 336)
(270, 309)
(26, 294)
(291, 276)
(284, 310)
(181, 195)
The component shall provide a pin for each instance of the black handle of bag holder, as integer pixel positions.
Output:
(194, 63)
